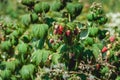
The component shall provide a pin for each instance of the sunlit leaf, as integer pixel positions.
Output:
(40, 56)
(39, 30)
(105, 70)
(55, 58)
(84, 33)
(5, 74)
(26, 19)
(27, 71)
(5, 45)
(36, 57)
(22, 48)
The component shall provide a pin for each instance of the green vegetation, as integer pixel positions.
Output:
(58, 40)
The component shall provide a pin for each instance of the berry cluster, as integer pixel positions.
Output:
(96, 14)
(111, 40)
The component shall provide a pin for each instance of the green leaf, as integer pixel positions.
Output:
(89, 41)
(28, 2)
(8, 31)
(78, 8)
(26, 38)
(102, 20)
(96, 50)
(100, 45)
(39, 30)
(13, 78)
(84, 33)
(45, 55)
(78, 48)
(102, 34)
(62, 48)
(118, 78)
(71, 8)
(34, 17)
(0, 78)
(49, 21)
(27, 71)
(55, 46)
(80, 25)
(104, 70)
(71, 25)
(5, 46)
(55, 58)
(9, 65)
(54, 14)
(36, 57)
(22, 48)
(56, 6)
(45, 6)
(14, 41)
(26, 20)
(15, 34)
(41, 7)
(40, 56)
(90, 17)
(88, 55)
(74, 8)
(5, 74)
(41, 43)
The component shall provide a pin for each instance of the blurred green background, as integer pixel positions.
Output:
(14, 8)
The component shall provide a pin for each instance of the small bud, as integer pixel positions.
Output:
(109, 46)
(76, 31)
(97, 66)
(108, 54)
(107, 33)
(50, 57)
(117, 42)
(51, 41)
(117, 53)
(56, 26)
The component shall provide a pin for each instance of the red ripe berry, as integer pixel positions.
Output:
(67, 33)
(60, 30)
(97, 66)
(112, 39)
(104, 49)
(51, 41)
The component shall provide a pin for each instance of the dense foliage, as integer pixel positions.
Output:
(49, 41)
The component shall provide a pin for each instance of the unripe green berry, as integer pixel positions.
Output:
(90, 17)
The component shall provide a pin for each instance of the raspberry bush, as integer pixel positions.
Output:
(49, 41)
